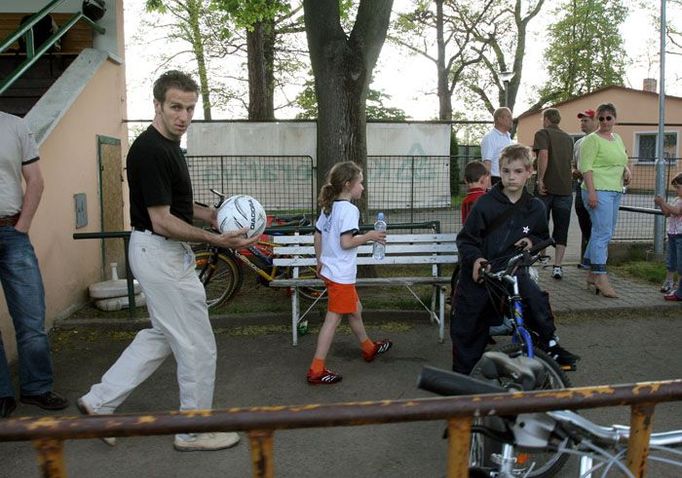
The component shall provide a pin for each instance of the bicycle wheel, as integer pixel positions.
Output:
(543, 463)
(221, 276)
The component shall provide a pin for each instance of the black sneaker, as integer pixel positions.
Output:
(565, 359)
(46, 401)
(7, 406)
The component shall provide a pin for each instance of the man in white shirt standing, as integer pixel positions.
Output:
(495, 141)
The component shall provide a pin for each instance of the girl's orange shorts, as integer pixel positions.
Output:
(343, 298)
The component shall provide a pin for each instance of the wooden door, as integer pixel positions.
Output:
(111, 202)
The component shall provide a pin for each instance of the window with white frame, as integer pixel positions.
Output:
(645, 146)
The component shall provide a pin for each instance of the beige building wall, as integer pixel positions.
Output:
(633, 106)
(69, 163)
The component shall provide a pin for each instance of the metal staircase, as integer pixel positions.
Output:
(25, 76)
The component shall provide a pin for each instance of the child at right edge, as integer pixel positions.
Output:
(673, 211)
(480, 242)
(337, 237)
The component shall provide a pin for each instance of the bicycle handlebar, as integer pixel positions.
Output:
(448, 383)
(523, 258)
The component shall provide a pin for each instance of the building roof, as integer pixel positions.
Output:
(597, 91)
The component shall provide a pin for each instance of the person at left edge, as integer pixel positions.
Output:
(20, 273)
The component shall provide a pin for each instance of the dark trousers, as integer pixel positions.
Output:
(583, 220)
(473, 313)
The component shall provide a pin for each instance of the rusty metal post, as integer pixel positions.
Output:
(459, 433)
(640, 431)
(51, 457)
(261, 453)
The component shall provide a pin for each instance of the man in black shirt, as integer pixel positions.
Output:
(161, 214)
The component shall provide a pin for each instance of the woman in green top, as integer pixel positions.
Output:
(603, 163)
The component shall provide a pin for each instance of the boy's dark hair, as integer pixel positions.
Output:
(173, 79)
(516, 151)
(474, 171)
(677, 180)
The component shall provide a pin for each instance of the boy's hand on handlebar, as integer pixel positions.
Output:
(524, 243)
(479, 264)
(234, 239)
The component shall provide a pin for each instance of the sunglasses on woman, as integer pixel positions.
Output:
(605, 118)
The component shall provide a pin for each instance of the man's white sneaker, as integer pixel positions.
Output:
(85, 409)
(207, 441)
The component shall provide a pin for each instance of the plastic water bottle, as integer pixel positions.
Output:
(379, 249)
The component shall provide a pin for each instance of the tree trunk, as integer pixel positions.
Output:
(198, 47)
(342, 66)
(260, 51)
(444, 95)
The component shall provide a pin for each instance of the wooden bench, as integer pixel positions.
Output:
(431, 249)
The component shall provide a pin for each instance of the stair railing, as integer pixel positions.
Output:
(32, 55)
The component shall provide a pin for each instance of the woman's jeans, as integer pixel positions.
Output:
(25, 297)
(674, 259)
(604, 218)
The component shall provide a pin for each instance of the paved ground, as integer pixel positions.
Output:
(258, 366)
(629, 339)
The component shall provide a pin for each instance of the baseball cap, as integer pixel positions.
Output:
(589, 113)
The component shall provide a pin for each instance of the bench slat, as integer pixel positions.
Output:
(391, 249)
(369, 260)
(370, 281)
(390, 238)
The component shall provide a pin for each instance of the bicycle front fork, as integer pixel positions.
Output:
(506, 461)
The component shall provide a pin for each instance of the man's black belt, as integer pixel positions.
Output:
(9, 220)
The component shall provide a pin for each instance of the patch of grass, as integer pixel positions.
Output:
(647, 271)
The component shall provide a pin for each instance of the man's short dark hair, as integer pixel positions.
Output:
(474, 171)
(553, 115)
(173, 79)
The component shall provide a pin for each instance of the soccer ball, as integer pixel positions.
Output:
(242, 211)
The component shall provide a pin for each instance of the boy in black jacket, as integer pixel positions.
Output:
(479, 243)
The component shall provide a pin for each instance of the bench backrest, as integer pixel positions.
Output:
(435, 249)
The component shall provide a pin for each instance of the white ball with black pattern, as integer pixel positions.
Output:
(242, 211)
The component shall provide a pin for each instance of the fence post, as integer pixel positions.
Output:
(51, 457)
(459, 433)
(261, 453)
(640, 430)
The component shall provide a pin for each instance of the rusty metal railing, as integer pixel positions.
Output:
(260, 423)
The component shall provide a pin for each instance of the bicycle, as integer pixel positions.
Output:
(503, 284)
(220, 270)
(601, 448)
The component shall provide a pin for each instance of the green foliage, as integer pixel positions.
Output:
(585, 51)
(246, 13)
(375, 108)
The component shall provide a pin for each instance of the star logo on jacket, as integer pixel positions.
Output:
(526, 229)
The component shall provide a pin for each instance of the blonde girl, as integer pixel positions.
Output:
(337, 237)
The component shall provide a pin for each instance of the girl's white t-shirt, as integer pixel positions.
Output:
(338, 264)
